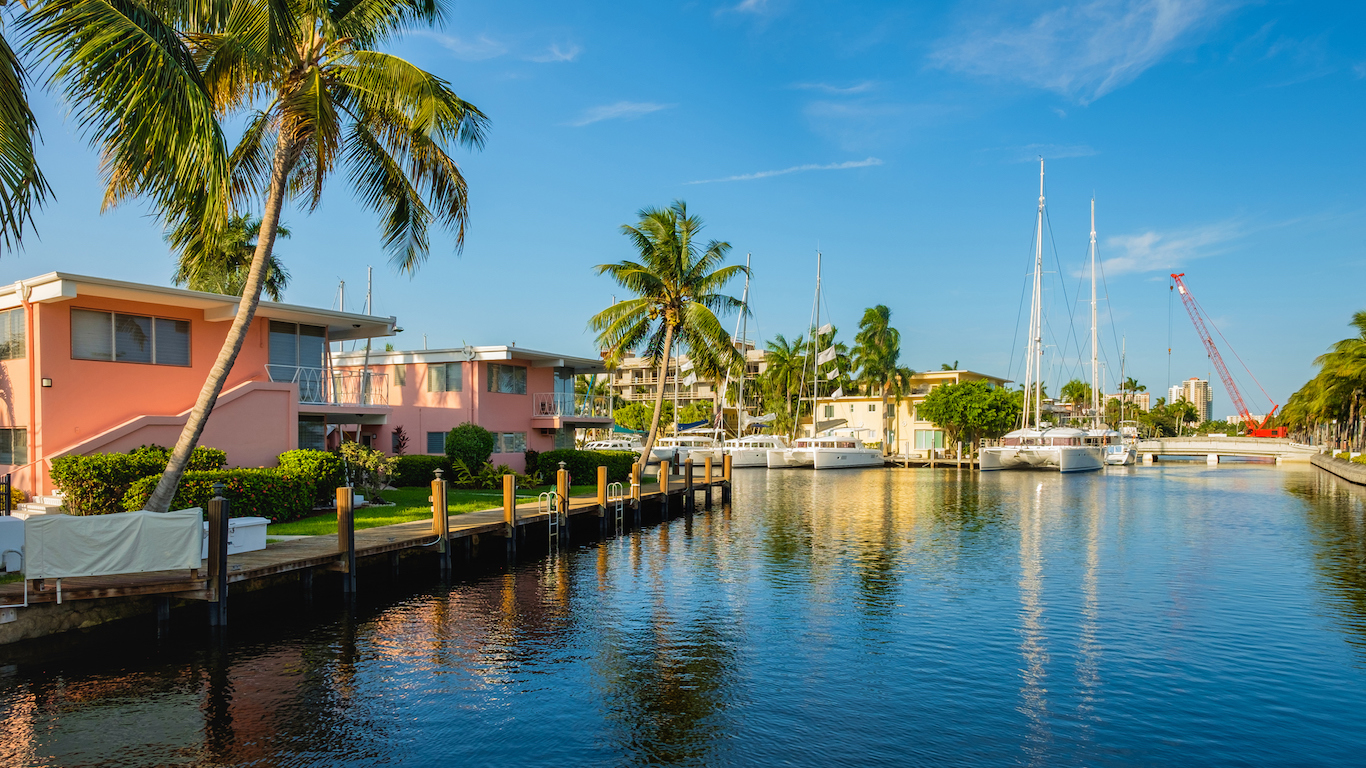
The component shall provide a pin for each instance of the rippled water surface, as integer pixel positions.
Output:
(1148, 616)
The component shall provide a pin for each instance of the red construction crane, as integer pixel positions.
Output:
(1254, 428)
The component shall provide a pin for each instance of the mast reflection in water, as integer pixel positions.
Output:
(882, 617)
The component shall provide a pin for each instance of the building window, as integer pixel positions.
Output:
(401, 374)
(129, 338)
(14, 446)
(508, 379)
(929, 438)
(444, 377)
(312, 433)
(436, 442)
(295, 344)
(12, 335)
(509, 442)
(829, 411)
(872, 407)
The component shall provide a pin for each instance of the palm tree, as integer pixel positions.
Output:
(22, 186)
(1077, 392)
(217, 262)
(677, 297)
(314, 92)
(877, 355)
(784, 363)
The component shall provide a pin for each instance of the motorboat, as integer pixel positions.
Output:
(614, 445)
(1112, 447)
(1062, 448)
(1125, 450)
(833, 449)
(752, 451)
(677, 450)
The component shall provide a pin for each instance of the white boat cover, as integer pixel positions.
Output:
(66, 546)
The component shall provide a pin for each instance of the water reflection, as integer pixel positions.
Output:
(1147, 616)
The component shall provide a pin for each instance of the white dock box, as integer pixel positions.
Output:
(11, 543)
(245, 534)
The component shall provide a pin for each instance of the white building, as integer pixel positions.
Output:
(1197, 392)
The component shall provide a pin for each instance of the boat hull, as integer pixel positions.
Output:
(847, 458)
(1063, 458)
(786, 458)
(748, 457)
(1119, 456)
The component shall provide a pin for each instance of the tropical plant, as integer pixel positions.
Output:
(314, 92)
(637, 416)
(369, 468)
(469, 443)
(1078, 393)
(217, 260)
(877, 355)
(22, 186)
(677, 284)
(971, 410)
(782, 379)
(400, 439)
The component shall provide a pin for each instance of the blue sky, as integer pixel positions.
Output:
(1221, 139)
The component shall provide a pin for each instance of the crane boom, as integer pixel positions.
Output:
(1203, 332)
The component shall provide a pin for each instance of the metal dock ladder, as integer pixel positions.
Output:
(549, 502)
(616, 501)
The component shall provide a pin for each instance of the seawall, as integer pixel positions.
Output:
(1343, 468)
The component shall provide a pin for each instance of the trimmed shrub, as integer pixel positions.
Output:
(271, 493)
(323, 469)
(583, 465)
(16, 497)
(418, 470)
(470, 443)
(96, 484)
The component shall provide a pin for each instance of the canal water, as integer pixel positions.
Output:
(1145, 616)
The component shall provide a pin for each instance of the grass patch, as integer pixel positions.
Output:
(10, 578)
(411, 504)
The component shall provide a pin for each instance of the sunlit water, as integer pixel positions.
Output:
(1148, 616)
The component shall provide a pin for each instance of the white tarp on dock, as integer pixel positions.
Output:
(66, 546)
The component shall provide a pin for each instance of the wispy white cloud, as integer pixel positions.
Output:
(795, 169)
(1154, 251)
(557, 54)
(1032, 152)
(756, 7)
(863, 87)
(1084, 49)
(477, 49)
(622, 110)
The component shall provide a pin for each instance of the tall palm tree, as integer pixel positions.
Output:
(218, 261)
(784, 362)
(313, 93)
(677, 285)
(22, 186)
(877, 356)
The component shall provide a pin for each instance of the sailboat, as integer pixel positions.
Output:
(1113, 448)
(835, 447)
(1042, 446)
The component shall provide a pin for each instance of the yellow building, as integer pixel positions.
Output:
(910, 434)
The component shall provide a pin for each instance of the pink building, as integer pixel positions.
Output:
(526, 398)
(90, 365)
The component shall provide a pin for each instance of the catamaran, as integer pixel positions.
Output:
(1043, 446)
(835, 447)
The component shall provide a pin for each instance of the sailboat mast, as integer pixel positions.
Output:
(1036, 311)
(1095, 391)
(744, 357)
(815, 358)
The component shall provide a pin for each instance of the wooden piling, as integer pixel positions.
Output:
(664, 490)
(706, 480)
(602, 500)
(441, 523)
(510, 513)
(562, 490)
(635, 491)
(218, 558)
(689, 500)
(346, 539)
(725, 479)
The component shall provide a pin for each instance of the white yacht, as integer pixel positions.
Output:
(833, 449)
(616, 444)
(752, 451)
(1042, 446)
(1123, 446)
(677, 450)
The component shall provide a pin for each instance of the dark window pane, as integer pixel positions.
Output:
(436, 378)
(284, 343)
(436, 442)
(91, 335)
(453, 377)
(312, 342)
(12, 335)
(173, 342)
(132, 339)
(312, 433)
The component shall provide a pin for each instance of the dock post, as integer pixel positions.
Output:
(602, 501)
(562, 491)
(725, 479)
(689, 500)
(663, 490)
(346, 538)
(635, 492)
(218, 558)
(441, 523)
(510, 514)
(706, 470)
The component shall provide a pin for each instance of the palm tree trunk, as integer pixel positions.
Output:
(886, 433)
(659, 397)
(237, 333)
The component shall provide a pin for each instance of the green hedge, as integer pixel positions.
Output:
(270, 493)
(325, 469)
(583, 465)
(418, 470)
(96, 484)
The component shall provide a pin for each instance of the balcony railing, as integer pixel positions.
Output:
(319, 386)
(579, 406)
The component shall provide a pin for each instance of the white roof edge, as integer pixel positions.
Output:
(460, 354)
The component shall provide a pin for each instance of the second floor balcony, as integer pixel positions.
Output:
(322, 386)
(573, 406)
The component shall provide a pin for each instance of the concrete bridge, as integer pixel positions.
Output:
(1212, 448)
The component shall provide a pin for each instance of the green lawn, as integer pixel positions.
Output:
(411, 504)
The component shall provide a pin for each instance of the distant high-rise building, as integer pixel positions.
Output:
(1197, 392)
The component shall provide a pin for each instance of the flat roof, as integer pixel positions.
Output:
(537, 358)
(61, 286)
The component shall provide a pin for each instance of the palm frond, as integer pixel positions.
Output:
(22, 186)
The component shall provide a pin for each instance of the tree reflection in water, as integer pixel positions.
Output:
(1336, 511)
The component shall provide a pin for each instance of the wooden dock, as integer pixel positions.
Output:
(504, 527)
